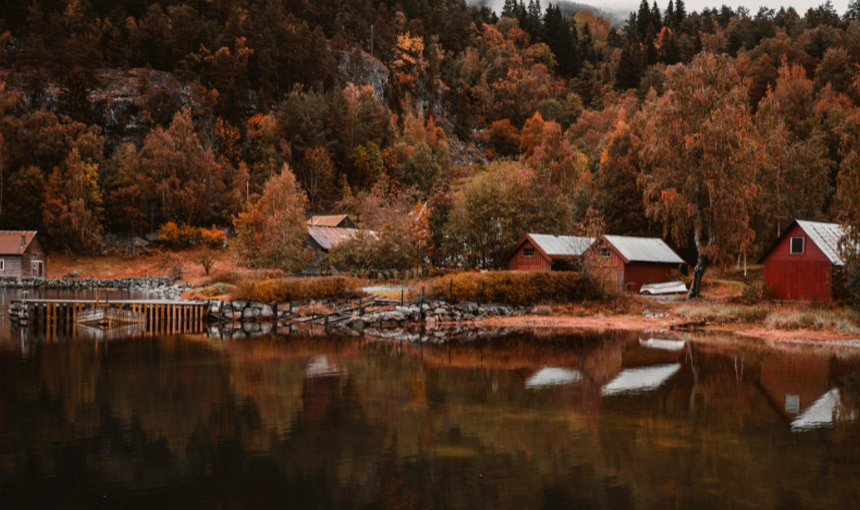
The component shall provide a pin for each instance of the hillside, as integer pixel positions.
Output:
(452, 128)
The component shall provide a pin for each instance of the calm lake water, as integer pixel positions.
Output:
(611, 420)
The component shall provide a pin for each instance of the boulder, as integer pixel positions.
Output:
(266, 312)
(250, 314)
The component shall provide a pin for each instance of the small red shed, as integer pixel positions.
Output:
(636, 261)
(540, 252)
(798, 266)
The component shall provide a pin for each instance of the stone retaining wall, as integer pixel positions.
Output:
(157, 285)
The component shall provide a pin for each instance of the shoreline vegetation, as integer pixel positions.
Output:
(549, 300)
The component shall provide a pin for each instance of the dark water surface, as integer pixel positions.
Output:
(524, 421)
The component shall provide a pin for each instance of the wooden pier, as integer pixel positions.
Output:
(156, 316)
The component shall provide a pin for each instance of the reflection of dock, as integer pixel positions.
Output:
(156, 316)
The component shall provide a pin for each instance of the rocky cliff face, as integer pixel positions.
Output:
(127, 103)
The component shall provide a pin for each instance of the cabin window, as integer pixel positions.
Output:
(529, 252)
(604, 252)
(792, 404)
(2, 264)
(797, 245)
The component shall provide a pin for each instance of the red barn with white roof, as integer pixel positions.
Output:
(799, 265)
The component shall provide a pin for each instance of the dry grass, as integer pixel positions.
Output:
(267, 290)
(145, 265)
(723, 313)
(308, 310)
(215, 291)
(512, 287)
(775, 316)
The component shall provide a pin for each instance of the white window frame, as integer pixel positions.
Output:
(2, 264)
(802, 246)
(528, 252)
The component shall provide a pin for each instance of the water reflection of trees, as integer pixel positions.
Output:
(432, 425)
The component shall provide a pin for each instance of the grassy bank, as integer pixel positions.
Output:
(774, 316)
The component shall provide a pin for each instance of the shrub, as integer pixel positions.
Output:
(213, 237)
(512, 287)
(231, 277)
(755, 292)
(173, 264)
(210, 292)
(185, 235)
(299, 289)
(178, 235)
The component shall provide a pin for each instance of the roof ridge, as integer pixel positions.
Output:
(819, 221)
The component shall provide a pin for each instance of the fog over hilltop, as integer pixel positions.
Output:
(616, 11)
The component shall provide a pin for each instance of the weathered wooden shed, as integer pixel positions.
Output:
(22, 255)
(636, 261)
(799, 265)
(335, 221)
(322, 239)
(540, 252)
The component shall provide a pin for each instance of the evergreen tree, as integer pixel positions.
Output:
(652, 54)
(629, 66)
(643, 19)
(669, 15)
(656, 18)
(560, 36)
(532, 23)
(853, 11)
(680, 13)
(669, 49)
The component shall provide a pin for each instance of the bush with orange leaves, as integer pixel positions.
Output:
(512, 287)
(299, 289)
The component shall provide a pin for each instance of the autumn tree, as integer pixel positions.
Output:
(848, 207)
(316, 174)
(187, 180)
(125, 191)
(271, 232)
(702, 155)
(794, 177)
(496, 208)
(73, 205)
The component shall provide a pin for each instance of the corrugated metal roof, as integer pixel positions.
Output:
(15, 242)
(644, 249)
(562, 246)
(329, 237)
(327, 221)
(826, 236)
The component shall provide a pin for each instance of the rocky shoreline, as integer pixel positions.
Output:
(431, 313)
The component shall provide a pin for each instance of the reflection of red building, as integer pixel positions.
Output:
(799, 264)
(794, 383)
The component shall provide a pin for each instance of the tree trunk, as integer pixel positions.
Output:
(698, 271)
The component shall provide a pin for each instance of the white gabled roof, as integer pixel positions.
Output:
(553, 376)
(562, 246)
(823, 412)
(826, 236)
(638, 380)
(644, 249)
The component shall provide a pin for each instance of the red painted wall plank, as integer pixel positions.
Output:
(797, 276)
(519, 262)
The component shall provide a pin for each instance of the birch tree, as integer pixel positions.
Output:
(701, 153)
(270, 232)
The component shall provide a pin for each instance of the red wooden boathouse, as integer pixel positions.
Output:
(799, 265)
(636, 261)
(540, 252)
